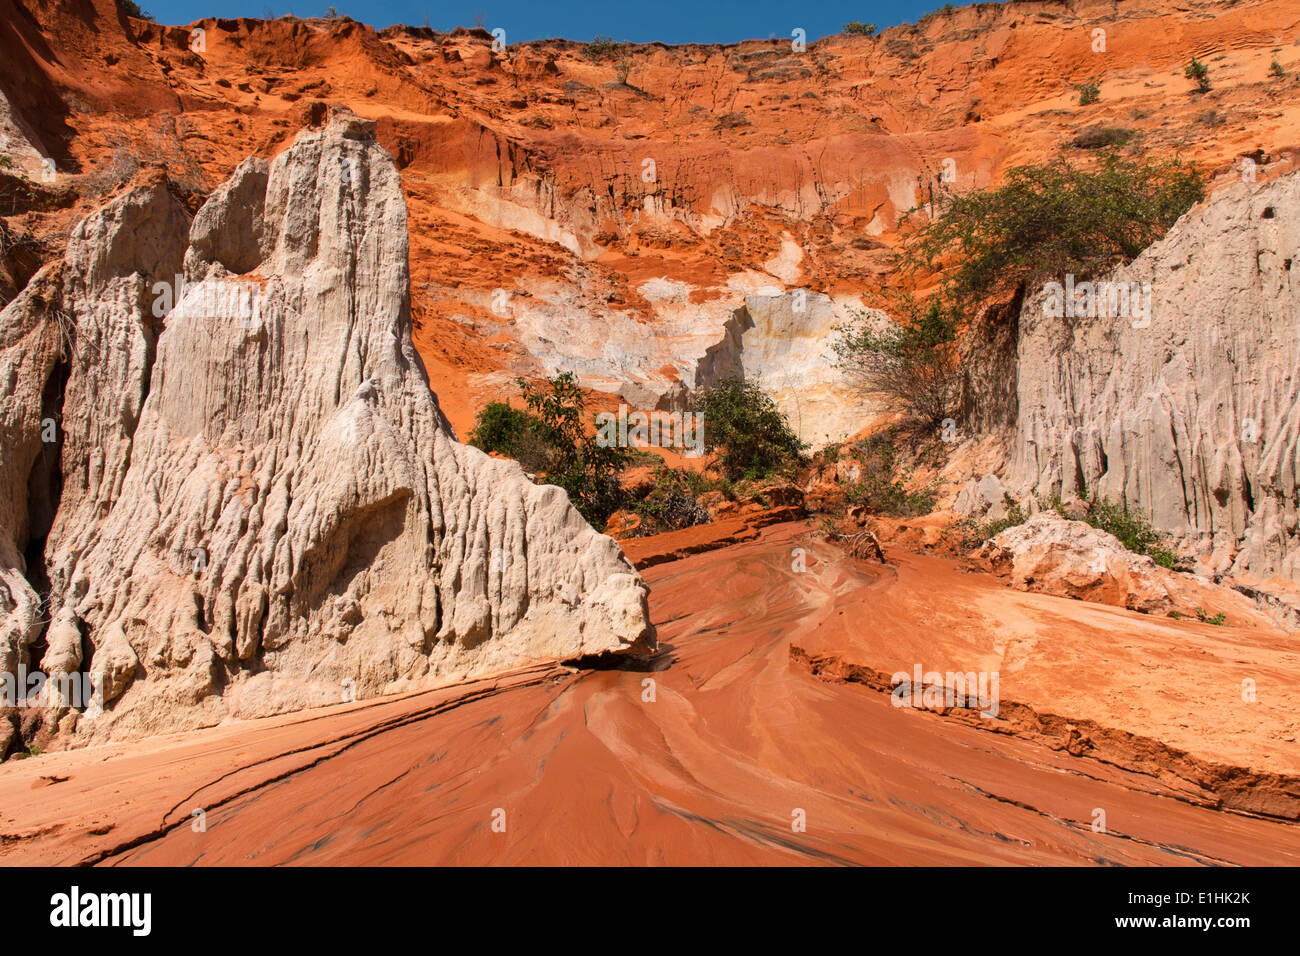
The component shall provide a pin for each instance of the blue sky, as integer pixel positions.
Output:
(670, 21)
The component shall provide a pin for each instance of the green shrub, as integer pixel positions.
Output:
(858, 28)
(1050, 220)
(514, 433)
(1014, 517)
(551, 438)
(1132, 528)
(743, 424)
(1276, 69)
(1198, 71)
(911, 365)
(1089, 93)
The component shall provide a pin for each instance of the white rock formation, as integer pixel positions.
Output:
(1194, 418)
(777, 338)
(784, 343)
(985, 498)
(264, 509)
(1052, 555)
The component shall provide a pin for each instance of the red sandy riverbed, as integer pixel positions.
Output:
(738, 738)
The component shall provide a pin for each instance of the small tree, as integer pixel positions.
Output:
(551, 438)
(623, 69)
(1198, 71)
(132, 9)
(743, 423)
(858, 28)
(911, 366)
(582, 466)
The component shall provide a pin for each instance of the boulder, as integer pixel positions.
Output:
(1054, 555)
(1072, 559)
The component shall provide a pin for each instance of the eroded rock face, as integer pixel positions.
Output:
(1194, 417)
(263, 508)
(783, 341)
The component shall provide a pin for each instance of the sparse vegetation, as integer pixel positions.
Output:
(858, 28)
(1198, 71)
(1129, 525)
(743, 424)
(1276, 69)
(933, 15)
(601, 48)
(672, 500)
(732, 121)
(1014, 517)
(1089, 93)
(882, 487)
(1205, 617)
(1098, 137)
(1132, 528)
(910, 365)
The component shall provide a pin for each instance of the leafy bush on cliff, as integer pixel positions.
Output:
(858, 28)
(1053, 219)
(743, 423)
(910, 366)
(552, 440)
